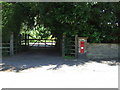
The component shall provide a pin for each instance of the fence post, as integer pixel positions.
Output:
(63, 45)
(25, 39)
(52, 43)
(19, 42)
(11, 44)
(28, 39)
(76, 46)
(45, 43)
(15, 42)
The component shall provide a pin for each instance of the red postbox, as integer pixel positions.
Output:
(82, 45)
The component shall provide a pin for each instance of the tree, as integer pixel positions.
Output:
(98, 21)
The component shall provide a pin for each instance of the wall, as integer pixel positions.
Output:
(102, 50)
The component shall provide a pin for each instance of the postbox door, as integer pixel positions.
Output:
(82, 45)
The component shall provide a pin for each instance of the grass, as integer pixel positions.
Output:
(69, 57)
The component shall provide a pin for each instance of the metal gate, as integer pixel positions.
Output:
(37, 43)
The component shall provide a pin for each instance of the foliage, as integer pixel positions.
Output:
(98, 21)
(39, 32)
(12, 19)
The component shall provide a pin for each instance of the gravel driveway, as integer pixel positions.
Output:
(38, 58)
(47, 69)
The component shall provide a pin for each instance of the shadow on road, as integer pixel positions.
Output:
(42, 57)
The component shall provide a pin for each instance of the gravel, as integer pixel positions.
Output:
(47, 69)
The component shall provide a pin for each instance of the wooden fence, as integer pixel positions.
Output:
(12, 46)
(9, 47)
(72, 46)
